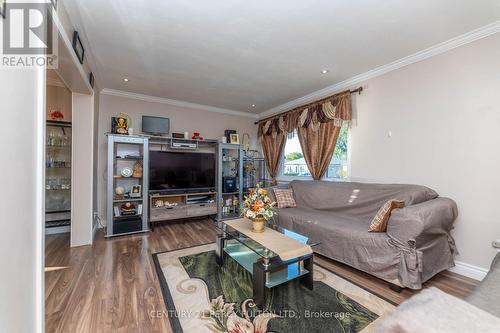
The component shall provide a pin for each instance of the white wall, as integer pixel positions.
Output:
(211, 125)
(22, 93)
(82, 170)
(444, 115)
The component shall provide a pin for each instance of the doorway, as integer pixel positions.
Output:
(58, 159)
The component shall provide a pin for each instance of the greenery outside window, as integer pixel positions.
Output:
(294, 165)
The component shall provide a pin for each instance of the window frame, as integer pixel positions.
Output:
(285, 178)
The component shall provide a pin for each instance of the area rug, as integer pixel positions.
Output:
(200, 296)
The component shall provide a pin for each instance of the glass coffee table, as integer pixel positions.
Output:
(266, 267)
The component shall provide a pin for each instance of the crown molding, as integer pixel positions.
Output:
(173, 102)
(437, 49)
(55, 82)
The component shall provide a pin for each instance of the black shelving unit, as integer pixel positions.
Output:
(230, 169)
(124, 151)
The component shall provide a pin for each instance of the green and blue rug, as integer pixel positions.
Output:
(202, 297)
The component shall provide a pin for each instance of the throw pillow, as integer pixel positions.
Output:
(379, 222)
(284, 198)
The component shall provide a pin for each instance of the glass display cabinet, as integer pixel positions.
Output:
(58, 177)
(254, 172)
(230, 181)
(127, 184)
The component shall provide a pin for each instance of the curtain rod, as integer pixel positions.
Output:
(358, 91)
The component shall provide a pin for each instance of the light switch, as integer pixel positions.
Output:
(389, 134)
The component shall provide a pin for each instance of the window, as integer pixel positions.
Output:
(294, 164)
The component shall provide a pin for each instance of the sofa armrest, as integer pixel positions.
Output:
(434, 311)
(432, 217)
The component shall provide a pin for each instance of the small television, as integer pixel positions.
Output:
(175, 171)
(155, 125)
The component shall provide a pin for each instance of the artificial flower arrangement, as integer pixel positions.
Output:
(258, 208)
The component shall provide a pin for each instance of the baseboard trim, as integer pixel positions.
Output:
(468, 270)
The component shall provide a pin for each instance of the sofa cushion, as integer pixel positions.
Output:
(343, 238)
(359, 200)
(284, 198)
(379, 222)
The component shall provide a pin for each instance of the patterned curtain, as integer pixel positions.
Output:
(318, 127)
(273, 149)
(318, 146)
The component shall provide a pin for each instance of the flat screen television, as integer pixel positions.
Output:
(155, 125)
(174, 171)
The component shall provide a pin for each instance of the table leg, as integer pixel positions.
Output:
(259, 283)
(219, 252)
(307, 280)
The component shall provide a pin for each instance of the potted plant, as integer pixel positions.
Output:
(258, 208)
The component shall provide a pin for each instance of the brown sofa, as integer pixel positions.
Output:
(416, 246)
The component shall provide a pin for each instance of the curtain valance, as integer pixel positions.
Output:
(336, 109)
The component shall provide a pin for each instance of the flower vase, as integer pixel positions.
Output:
(258, 224)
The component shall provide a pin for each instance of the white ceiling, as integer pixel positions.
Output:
(235, 53)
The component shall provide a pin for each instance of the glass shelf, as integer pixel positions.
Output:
(58, 146)
(138, 158)
(121, 177)
(54, 224)
(124, 217)
(231, 216)
(127, 200)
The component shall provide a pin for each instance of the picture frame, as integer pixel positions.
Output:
(91, 79)
(136, 191)
(119, 125)
(3, 8)
(116, 211)
(78, 47)
(234, 139)
(227, 134)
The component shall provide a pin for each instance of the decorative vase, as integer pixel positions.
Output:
(258, 224)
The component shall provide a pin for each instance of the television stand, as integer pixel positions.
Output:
(168, 207)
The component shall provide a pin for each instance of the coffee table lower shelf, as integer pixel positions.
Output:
(264, 276)
(246, 258)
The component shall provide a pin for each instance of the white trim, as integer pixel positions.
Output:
(69, 46)
(173, 102)
(56, 83)
(468, 270)
(451, 44)
(40, 202)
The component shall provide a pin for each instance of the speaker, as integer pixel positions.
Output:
(229, 184)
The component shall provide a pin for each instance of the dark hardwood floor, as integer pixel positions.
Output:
(111, 286)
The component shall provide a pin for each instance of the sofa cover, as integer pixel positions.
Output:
(416, 246)
(435, 311)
